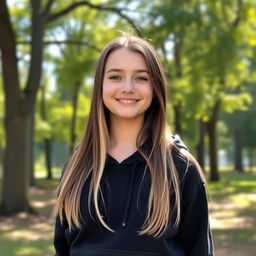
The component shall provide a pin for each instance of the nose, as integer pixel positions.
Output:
(128, 86)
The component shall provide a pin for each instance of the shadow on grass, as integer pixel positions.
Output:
(235, 241)
(22, 247)
(231, 184)
(25, 234)
(233, 211)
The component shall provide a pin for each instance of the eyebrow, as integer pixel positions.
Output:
(121, 70)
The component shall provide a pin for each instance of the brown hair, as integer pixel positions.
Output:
(91, 155)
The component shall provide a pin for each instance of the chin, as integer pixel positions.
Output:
(129, 117)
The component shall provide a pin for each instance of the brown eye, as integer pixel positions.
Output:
(142, 78)
(114, 77)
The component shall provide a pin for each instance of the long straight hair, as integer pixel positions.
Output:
(89, 159)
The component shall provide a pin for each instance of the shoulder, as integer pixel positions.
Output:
(188, 170)
(185, 164)
(184, 161)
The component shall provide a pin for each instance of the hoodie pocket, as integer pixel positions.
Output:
(110, 252)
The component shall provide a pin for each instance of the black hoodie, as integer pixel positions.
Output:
(125, 193)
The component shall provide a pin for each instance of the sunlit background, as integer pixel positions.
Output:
(49, 49)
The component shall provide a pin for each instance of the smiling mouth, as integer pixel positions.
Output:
(127, 100)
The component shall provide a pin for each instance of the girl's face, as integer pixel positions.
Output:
(127, 87)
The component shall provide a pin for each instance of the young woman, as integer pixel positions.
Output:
(129, 189)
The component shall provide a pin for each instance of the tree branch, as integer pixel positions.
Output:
(47, 8)
(8, 57)
(91, 46)
(236, 21)
(68, 9)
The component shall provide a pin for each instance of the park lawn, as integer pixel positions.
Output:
(232, 210)
(31, 234)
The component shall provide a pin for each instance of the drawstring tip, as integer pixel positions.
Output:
(124, 225)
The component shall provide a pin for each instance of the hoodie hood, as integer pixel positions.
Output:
(146, 147)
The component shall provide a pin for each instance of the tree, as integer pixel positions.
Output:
(2, 139)
(241, 126)
(20, 102)
(206, 52)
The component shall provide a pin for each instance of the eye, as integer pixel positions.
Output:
(114, 77)
(141, 78)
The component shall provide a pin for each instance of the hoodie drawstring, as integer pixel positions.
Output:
(129, 196)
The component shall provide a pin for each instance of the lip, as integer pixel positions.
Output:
(127, 99)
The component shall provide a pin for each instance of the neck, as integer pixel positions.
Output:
(124, 132)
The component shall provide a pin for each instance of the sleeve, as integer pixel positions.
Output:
(194, 233)
(60, 241)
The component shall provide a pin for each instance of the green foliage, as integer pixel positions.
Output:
(217, 57)
(59, 114)
(20, 15)
(242, 119)
(223, 135)
(240, 101)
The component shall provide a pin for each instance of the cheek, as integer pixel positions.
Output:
(107, 92)
(149, 93)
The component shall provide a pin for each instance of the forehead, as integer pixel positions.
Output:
(125, 58)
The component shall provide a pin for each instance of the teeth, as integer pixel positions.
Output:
(127, 101)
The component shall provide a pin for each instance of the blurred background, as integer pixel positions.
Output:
(49, 49)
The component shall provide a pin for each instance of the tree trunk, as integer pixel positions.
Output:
(177, 119)
(238, 150)
(251, 162)
(32, 181)
(34, 75)
(19, 106)
(14, 197)
(201, 145)
(179, 72)
(47, 141)
(47, 148)
(1, 160)
(211, 131)
(74, 117)
(15, 165)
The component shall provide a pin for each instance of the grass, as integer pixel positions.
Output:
(232, 211)
(31, 234)
(232, 204)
